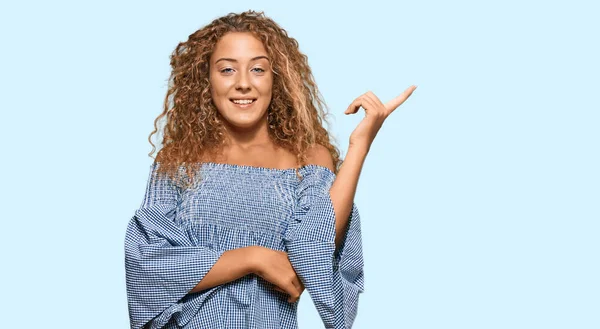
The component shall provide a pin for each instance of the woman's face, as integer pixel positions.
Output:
(241, 80)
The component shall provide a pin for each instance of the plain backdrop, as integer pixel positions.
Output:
(479, 199)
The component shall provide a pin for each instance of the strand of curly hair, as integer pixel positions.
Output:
(194, 132)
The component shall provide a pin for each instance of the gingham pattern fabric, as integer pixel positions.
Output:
(177, 235)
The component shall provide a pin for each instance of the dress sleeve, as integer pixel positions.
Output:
(334, 279)
(162, 264)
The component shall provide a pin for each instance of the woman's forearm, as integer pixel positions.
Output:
(232, 265)
(343, 189)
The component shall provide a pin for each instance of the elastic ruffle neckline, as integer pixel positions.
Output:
(247, 168)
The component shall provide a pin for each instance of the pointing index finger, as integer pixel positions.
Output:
(394, 103)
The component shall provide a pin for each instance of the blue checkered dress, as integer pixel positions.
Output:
(178, 234)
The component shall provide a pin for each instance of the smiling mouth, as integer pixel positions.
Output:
(243, 101)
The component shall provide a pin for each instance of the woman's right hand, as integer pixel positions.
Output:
(274, 266)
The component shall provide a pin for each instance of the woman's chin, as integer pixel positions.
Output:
(244, 121)
(244, 124)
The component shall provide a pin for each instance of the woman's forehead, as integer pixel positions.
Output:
(238, 46)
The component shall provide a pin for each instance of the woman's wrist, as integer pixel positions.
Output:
(357, 150)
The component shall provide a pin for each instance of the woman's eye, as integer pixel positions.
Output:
(259, 70)
(227, 70)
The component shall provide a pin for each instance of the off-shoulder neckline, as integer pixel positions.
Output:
(233, 166)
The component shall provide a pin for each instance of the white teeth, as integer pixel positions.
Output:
(243, 101)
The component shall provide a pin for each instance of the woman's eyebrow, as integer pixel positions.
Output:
(235, 60)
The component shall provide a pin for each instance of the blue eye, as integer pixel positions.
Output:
(259, 70)
(227, 70)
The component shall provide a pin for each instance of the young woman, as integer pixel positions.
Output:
(248, 202)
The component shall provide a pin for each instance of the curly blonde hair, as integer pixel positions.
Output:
(194, 132)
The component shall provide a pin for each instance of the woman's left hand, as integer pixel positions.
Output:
(375, 114)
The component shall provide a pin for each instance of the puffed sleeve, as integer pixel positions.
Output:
(334, 279)
(162, 264)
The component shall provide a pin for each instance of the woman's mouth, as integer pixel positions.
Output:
(243, 103)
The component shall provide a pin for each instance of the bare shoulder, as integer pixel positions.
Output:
(319, 155)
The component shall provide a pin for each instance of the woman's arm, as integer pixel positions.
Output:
(271, 265)
(343, 189)
(232, 265)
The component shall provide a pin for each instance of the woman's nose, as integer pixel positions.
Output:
(243, 81)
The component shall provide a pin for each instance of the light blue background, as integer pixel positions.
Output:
(479, 199)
